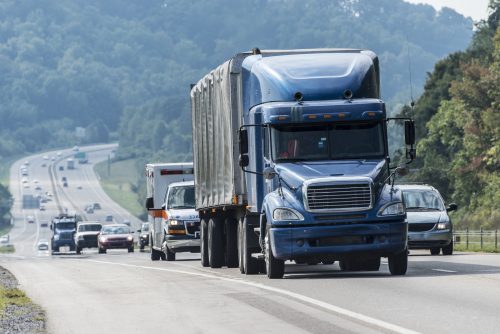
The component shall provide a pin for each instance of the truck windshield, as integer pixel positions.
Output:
(181, 198)
(360, 140)
(89, 228)
(65, 226)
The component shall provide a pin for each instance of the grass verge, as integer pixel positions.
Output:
(120, 182)
(476, 248)
(7, 249)
(12, 297)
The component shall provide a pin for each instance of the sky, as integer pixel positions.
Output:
(477, 9)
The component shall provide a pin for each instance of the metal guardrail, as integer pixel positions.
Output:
(481, 237)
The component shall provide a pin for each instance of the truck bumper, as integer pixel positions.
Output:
(183, 243)
(373, 239)
(62, 243)
(430, 239)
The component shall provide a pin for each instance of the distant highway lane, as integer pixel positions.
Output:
(120, 292)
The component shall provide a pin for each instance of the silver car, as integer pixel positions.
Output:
(429, 226)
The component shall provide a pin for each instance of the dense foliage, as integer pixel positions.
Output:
(5, 204)
(125, 66)
(459, 125)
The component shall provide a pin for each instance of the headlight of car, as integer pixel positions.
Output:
(174, 222)
(130, 238)
(282, 214)
(392, 209)
(103, 239)
(443, 226)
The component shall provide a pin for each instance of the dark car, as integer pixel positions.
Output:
(61, 167)
(143, 235)
(65, 184)
(115, 236)
(429, 226)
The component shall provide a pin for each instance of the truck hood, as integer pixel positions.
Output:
(88, 233)
(295, 173)
(425, 217)
(183, 214)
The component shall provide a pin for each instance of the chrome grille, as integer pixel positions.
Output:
(339, 196)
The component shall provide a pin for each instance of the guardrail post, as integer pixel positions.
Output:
(481, 232)
(496, 239)
(467, 238)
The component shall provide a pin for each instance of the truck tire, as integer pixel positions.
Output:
(215, 244)
(170, 255)
(448, 250)
(131, 249)
(435, 250)
(155, 255)
(78, 250)
(204, 243)
(398, 263)
(231, 243)
(102, 250)
(275, 268)
(327, 260)
(248, 265)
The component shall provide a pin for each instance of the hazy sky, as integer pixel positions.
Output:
(477, 9)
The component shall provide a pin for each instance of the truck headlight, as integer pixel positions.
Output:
(56, 237)
(282, 214)
(392, 209)
(175, 222)
(443, 226)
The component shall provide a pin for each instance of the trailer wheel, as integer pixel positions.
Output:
(275, 268)
(204, 243)
(248, 265)
(231, 243)
(448, 250)
(170, 255)
(215, 245)
(398, 263)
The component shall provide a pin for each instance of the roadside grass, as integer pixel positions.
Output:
(119, 184)
(12, 297)
(488, 248)
(7, 249)
(5, 229)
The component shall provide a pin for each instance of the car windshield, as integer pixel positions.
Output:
(115, 230)
(89, 228)
(181, 197)
(422, 200)
(327, 142)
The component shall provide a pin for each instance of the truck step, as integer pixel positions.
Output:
(258, 256)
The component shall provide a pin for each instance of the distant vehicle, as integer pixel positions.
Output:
(89, 209)
(61, 168)
(24, 172)
(59, 153)
(43, 199)
(429, 226)
(86, 235)
(48, 193)
(126, 222)
(30, 219)
(70, 163)
(65, 184)
(81, 157)
(158, 178)
(35, 181)
(26, 185)
(42, 207)
(97, 206)
(4, 239)
(53, 158)
(143, 235)
(109, 218)
(79, 186)
(115, 236)
(76, 148)
(24, 180)
(27, 163)
(37, 187)
(45, 157)
(64, 179)
(63, 228)
(44, 223)
(43, 245)
(44, 165)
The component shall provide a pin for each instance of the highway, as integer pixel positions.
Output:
(122, 292)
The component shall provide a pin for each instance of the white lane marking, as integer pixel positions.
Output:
(336, 309)
(444, 270)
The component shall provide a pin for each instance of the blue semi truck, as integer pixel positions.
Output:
(291, 162)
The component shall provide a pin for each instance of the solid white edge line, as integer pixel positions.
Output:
(336, 309)
(444, 270)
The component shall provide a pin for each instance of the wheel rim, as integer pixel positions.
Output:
(267, 251)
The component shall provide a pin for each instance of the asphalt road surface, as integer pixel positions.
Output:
(122, 292)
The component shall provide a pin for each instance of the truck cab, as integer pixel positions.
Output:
(181, 221)
(63, 229)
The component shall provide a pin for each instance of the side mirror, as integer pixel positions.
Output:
(243, 140)
(269, 173)
(409, 133)
(452, 207)
(149, 203)
(244, 161)
(139, 230)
